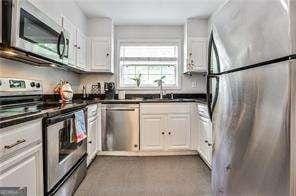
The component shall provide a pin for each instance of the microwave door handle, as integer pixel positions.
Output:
(61, 37)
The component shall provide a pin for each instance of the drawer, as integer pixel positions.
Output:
(19, 136)
(165, 108)
(203, 110)
(92, 110)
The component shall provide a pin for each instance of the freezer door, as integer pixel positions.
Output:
(251, 155)
(293, 128)
(249, 32)
(293, 25)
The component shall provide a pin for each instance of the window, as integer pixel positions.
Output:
(149, 62)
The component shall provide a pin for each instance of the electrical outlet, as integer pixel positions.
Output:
(194, 84)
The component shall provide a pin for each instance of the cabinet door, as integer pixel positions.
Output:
(72, 40)
(100, 55)
(198, 49)
(92, 140)
(152, 132)
(178, 132)
(209, 148)
(81, 50)
(205, 144)
(24, 170)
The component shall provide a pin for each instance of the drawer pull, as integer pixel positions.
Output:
(15, 144)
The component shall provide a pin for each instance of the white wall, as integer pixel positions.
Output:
(101, 27)
(48, 75)
(148, 32)
(197, 27)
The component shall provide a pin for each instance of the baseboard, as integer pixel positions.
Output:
(147, 153)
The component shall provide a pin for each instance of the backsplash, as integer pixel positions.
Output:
(186, 83)
(48, 75)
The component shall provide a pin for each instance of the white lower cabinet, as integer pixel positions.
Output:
(152, 132)
(24, 170)
(21, 162)
(93, 132)
(92, 140)
(165, 127)
(205, 142)
(178, 131)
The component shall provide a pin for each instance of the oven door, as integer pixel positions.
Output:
(37, 33)
(62, 152)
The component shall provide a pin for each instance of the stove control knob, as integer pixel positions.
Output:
(38, 85)
(32, 84)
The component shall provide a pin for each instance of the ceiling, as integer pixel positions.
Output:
(148, 11)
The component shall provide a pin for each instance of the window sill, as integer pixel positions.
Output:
(147, 88)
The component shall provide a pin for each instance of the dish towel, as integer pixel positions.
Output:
(80, 126)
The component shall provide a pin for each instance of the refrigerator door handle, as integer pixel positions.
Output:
(212, 98)
(213, 53)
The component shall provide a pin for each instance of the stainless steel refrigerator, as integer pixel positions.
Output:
(251, 97)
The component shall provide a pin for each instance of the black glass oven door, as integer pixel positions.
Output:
(67, 143)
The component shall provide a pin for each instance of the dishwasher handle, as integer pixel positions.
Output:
(121, 109)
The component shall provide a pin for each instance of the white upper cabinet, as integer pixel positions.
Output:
(70, 27)
(81, 50)
(197, 54)
(100, 32)
(77, 54)
(196, 45)
(101, 55)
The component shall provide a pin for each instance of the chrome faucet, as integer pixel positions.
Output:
(160, 84)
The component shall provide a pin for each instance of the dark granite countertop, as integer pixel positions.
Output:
(137, 101)
(54, 108)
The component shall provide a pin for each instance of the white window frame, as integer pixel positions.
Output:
(150, 42)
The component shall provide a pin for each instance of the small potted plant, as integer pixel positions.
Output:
(137, 79)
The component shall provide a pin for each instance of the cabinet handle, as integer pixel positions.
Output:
(210, 144)
(78, 47)
(169, 133)
(90, 142)
(206, 141)
(15, 144)
(107, 54)
(162, 133)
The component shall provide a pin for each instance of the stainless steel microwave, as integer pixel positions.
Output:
(27, 29)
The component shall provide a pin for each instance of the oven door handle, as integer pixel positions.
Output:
(59, 118)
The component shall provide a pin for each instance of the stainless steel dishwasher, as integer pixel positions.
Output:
(120, 127)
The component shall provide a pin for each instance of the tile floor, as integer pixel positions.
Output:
(146, 176)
